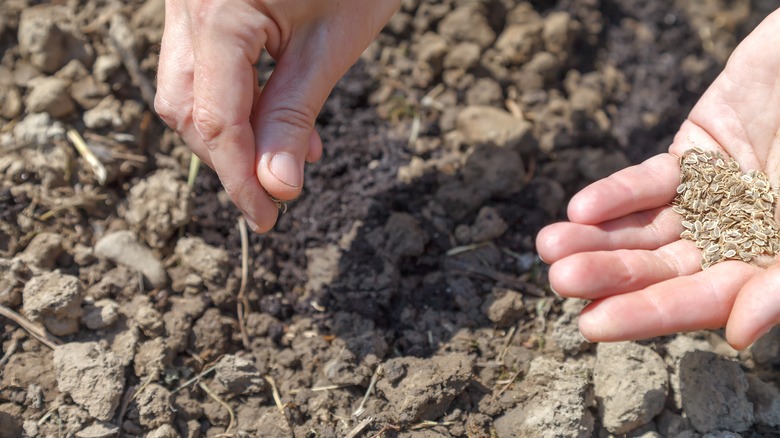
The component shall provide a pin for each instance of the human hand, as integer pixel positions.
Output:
(257, 140)
(622, 248)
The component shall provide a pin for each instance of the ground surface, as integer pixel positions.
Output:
(406, 267)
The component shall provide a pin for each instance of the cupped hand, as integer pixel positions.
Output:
(258, 140)
(622, 247)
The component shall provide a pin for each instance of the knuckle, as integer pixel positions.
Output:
(208, 123)
(166, 111)
(298, 117)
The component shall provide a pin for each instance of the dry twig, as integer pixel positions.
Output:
(223, 403)
(242, 304)
(361, 409)
(360, 427)
(36, 331)
(83, 149)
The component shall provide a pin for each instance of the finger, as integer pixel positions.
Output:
(595, 275)
(650, 229)
(227, 40)
(284, 124)
(173, 100)
(699, 301)
(315, 147)
(756, 309)
(645, 186)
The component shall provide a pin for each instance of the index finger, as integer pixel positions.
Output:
(648, 185)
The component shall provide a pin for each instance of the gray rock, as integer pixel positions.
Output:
(98, 429)
(766, 350)
(504, 307)
(107, 114)
(92, 376)
(50, 95)
(766, 401)
(463, 56)
(487, 226)
(714, 393)
(158, 206)
(210, 263)
(164, 431)
(239, 376)
(121, 247)
(48, 38)
(43, 250)
(54, 299)
(675, 350)
(422, 389)
(565, 332)
(555, 398)
(488, 125)
(38, 129)
(630, 382)
(100, 314)
(467, 23)
(154, 406)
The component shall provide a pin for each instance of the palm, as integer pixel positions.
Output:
(622, 247)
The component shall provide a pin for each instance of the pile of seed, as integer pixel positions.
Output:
(727, 213)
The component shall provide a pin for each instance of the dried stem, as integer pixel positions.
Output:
(83, 149)
(242, 304)
(223, 403)
(36, 331)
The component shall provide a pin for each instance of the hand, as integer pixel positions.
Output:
(257, 140)
(622, 248)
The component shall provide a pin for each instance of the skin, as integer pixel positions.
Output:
(258, 140)
(621, 248)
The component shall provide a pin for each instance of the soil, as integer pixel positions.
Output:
(401, 294)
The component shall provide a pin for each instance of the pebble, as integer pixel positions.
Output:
(121, 247)
(54, 299)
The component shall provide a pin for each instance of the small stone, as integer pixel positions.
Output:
(55, 300)
(463, 56)
(38, 129)
(92, 376)
(631, 384)
(714, 393)
(766, 350)
(164, 431)
(422, 389)
(100, 314)
(98, 429)
(50, 95)
(558, 33)
(105, 66)
(488, 225)
(210, 263)
(554, 398)
(404, 236)
(152, 357)
(566, 333)
(519, 42)
(149, 320)
(154, 406)
(766, 401)
(467, 23)
(107, 114)
(504, 307)
(158, 206)
(121, 247)
(43, 250)
(239, 376)
(488, 125)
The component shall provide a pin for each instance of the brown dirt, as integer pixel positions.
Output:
(407, 266)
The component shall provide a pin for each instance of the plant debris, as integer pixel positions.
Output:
(727, 213)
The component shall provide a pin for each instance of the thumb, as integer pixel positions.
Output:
(756, 309)
(283, 121)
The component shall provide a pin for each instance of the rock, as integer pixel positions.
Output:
(48, 39)
(38, 129)
(630, 383)
(274, 423)
(239, 376)
(554, 403)
(43, 250)
(107, 114)
(12, 273)
(122, 248)
(105, 66)
(152, 357)
(488, 125)
(463, 56)
(558, 33)
(210, 263)
(766, 350)
(154, 406)
(210, 334)
(566, 333)
(672, 425)
(766, 401)
(519, 42)
(50, 95)
(98, 429)
(485, 92)
(714, 393)
(467, 23)
(11, 106)
(422, 389)
(404, 236)
(675, 350)
(158, 206)
(164, 431)
(504, 307)
(100, 314)
(54, 299)
(148, 319)
(10, 420)
(92, 376)
(488, 225)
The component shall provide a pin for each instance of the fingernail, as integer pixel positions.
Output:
(251, 224)
(286, 168)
